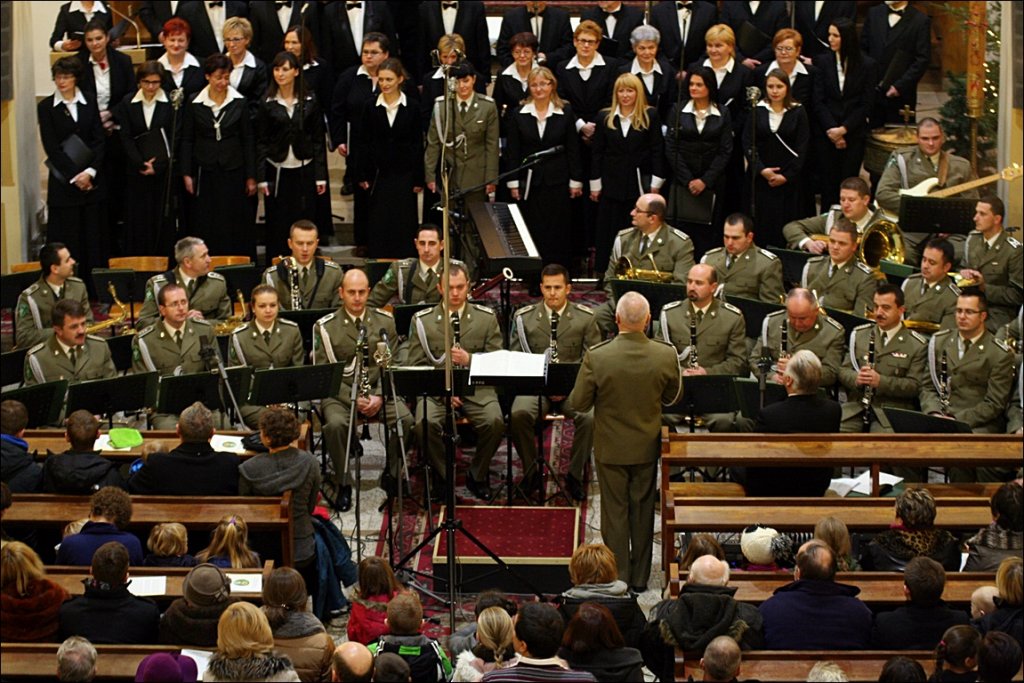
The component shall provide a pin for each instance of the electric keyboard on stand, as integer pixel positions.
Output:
(505, 239)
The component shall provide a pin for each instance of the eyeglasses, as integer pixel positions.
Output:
(967, 311)
(372, 53)
(586, 41)
(149, 81)
(785, 49)
(637, 209)
(233, 40)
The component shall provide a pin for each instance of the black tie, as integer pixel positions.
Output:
(683, 5)
(60, 292)
(218, 3)
(967, 346)
(449, 5)
(612, 14)
(283, 3)
(463, 107)
(897, 11)
(191, 289)
(304, 278)
(73, 355)
(177, 338)
(266, 337)
(644, 242)
(700, 317)
(353, 5)
(728, 262)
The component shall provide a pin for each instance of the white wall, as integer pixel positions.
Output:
(42, 16)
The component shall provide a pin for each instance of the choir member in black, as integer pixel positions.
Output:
(845, 90)
(181, 68)
(654, 71)
(775, 141)
(549, 24)
(895, 33)
(698, 147)
(207, 20)
(813, 20)
(248, 74)
(291, 155)
(682, 26)
(69, 28)
(390, 169)
(768, 18)
(356, 86)
(512, 86)
(148, 126)
(73, 193)
(545, 190)
(345, 27)
(272, 20)
(218, 163)
(788, 47)
(154, 14)
(732, 82)
(466, 18)
(628, 160)
(617, 20)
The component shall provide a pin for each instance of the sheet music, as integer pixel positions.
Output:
(103, 444)
(508, 364)
(229, 444)
(844, 486)
(200, 657)
(246, 583)
(145, 586)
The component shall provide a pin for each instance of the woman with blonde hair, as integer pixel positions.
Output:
(626, 160)
(836, 536)
(229, 545)
(494, 631)
(168, 546)
(297, 632)
(1008, 616)
(30, 602)
(245, 648)
(595, 578)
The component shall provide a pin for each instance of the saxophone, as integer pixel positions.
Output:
(233, 322)
(944, 383)
(114, 320)
(694, 361)
(364, 377)
(869, 392)
(553, 342)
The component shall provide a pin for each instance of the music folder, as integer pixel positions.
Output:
(913, 422)
(703, 394)
(178, 392)
(80, 155)
(937, 214)
(413, 381)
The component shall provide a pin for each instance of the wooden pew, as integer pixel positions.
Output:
(269, 513)
(39, 660)
(71, 578)
(730, 489)
(878, 589)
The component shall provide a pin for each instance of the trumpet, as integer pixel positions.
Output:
(869, 392)
(694, 361)
(553, 342)
(234, 321)
(944, 383)
(364, 377)
(114, 320)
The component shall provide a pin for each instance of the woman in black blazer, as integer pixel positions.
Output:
(291, 153)
(69, 28)
(627, 155)
(181, 70)
(653, 70)
(74, 190)
(512, 87)
(698, 147)
(779, 132)
(248, 74)
(218, 163)
(545, 190)
(149, 129)
(391, 167)
(842, 109)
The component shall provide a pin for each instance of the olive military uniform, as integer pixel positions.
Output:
(797, 231)
(721, 332)
(848, 287)
(209, 296)
(280, 347)
(1002, 266)
(575, 332)
(155, 349)
(47, 362)
(931, 303)
(407, 280)
(476, 158)
(317, 287)
(754, 274)
(33, 315)
(825, 340)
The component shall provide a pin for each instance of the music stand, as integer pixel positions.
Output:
(375, 269)
(748, 395)
(754, 312)
(704, 394)
(121, 351)
(913, 422)
(404, 314)
(12, 364)
(305, 319)
(241, 277)
(124, 393)
(657, 293)
(793, 262)
(848, 320)
(178, 392)
(42, 401)
(933, 214)
(271, 386)
(560, 382)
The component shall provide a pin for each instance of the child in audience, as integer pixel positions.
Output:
(298, 634)
(999, 657)
(30, 602)
(700, 545)
(901, 670)
(1008, 616)
(593, 642)
(229, 546)
(836, 535)
(494, 629)
(168, 547)
(426, 658)
(765, 549)
(193, 618)
(377, 586)
(465, 637)
(983, 601)
(826, 672)
(956, 656)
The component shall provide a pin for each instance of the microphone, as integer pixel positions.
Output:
(207, 351)
(549, 152)
(753, 94)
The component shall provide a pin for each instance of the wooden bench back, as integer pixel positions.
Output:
(71, 577)
(39, 660)
(793, 665)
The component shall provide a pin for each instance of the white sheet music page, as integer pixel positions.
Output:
(508, 364)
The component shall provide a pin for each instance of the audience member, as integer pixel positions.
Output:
(956, 655)
(814, 612)
(229, 545)
(765, 549)
(30, 602)
(1004, 537)
(245, 648)
(107, 612)
(592, 642)
(721, 660)
(493, 650)
(699, 546)
(983, 601)
(465, 637)
(912, 535)
(161, 667)
(902, 670)
(826, 672)
(377, 586)
(76, 660)
(594, 576)
(81, 469)
(352, 662)
(1009, 615)
(168, 546)
(110, 511)
(999, 657)
(920, 624)
(193, 618)
(426, 657)
(538, 635)
(297, 632)
(836, 535)
(194, 468)
(20, 471)
(391, 668)
(704, 610)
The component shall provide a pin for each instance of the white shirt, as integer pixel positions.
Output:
(391, 109)
(895, 18)
(625, 121)
(585, 71)
(284, 16)
(102, 78)
(217, 17)
(840, 72)
(72, 104)
(684, 16)
(536, 24)
(712, 110)
(531, 109)
(448, 18)
(818, 4)
(355, 22)
(236, 72)
(720, 73)
(180, 73)
(774, 117)
(290, 161)
(204, 98)
(511, 71)
(798, 69)
(149, 106)
(754, 4)
(646, 76)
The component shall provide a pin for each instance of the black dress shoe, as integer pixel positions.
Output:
(346, 189)
(345, 498)
(480, 489)
(575, 488)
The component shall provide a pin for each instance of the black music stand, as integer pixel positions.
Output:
(305, 319)
(12, 364)
(178, 392)
(703, 394)
(42, 401)
(560, 382)
(271, 386)
(754, 312)
(913, 422)
(404, 314)
(242, 277)
(657, 293)
(121, 351)
(748, 395)
(849, 321)
(375, 269)
(793, 262)
(125, 393)
(934, 215)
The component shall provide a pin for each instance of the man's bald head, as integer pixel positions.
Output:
(721, 661)
(354, 291)
(355, 277)
(352, 662)
(632, 312)
(708, 570)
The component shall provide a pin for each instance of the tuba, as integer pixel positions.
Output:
(882, 240)
(625, 270)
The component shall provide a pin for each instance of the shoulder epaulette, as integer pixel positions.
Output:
(680, 234)
(583, 308)
(941, 333)
(439, 98)
(159, 277)
(716, 250)
(215, 275)
(863, 327)
(1013, 242)
(76, 279)
(831, 321)
(204, 323)
(285, 321)
(768, 254)
(662, 341)
(671, 305)
(865, 268)
(485, 98)
(420, 314)
(96, 337)
(776, 313)
(526, 309)
(484, 309)
(953, 288)
(729, 307)
(1001, 344)
(623, 233)
(381, 311)
(241, 328)
(817, 259)
(32, 288)
(146, 330)
(36, 349)
(912, 276)
(331, 264)
(919, 337)
(326, 319)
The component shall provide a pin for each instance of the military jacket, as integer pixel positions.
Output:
(671, 249)
(980, 382)
(918, 167)
(850, 288)
(576, 332)
(825, 340)
(247, 346)
(319, 291)
(721, 336)
(931, 303)
(476, 153)
(797, 231)
(335, 337)
(902, 364)
(403, 279)
(1001, 265)
(47, 362)
(478, 333)
(34, 311)
(754, 274)
(1011, 333)
(153, 349)
(210, 297)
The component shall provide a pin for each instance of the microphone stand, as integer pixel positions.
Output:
(208, 352)
(752, 99)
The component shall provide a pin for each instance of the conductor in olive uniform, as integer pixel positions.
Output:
(896, 374)
(69, 353)
(626, 380)
(33, 312)
(478, 332)
(172, 344)
(930, 294)
(336, 339)
(743, 268)
(806, 327)
(207, 291)
(569, 328)
(302, 280)
(839, 279)
(267, 341)
(995, 261)
(414, 280)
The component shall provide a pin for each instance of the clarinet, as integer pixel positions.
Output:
(292, 265)
(364, 379)
(784, 341)
(869, 392)
(456, 332)
(694, 361)
(553, 342)
(944, 388)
